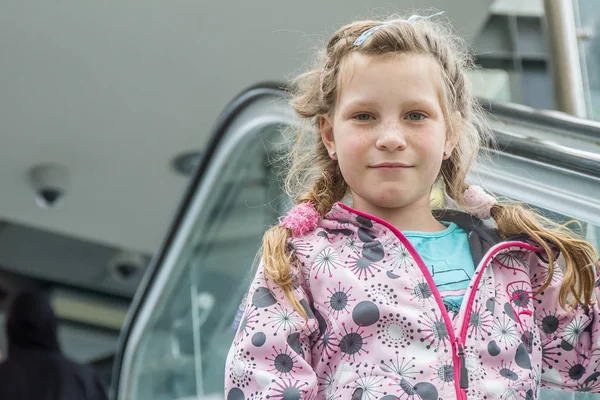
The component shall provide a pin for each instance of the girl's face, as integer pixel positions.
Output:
(388, 130)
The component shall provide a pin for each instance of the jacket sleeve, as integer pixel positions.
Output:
(570, 339)
(271, 354)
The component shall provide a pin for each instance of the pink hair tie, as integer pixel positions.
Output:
(478, 202)
(301, 219)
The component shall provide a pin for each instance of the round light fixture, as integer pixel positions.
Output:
(186, 163)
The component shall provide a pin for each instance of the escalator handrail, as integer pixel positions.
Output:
(509, 143)
(560, 156)
(242, 101)
(545, 119)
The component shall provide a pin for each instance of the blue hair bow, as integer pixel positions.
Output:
(411, 20)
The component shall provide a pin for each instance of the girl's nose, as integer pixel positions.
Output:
(391, 137)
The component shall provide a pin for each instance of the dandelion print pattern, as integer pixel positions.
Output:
(363, 268)
(591, 384)
(283, 319)
(327, 380)
(352, 342)
(326, 261)
(351, 244)
(403, 367)
(574, 330)
(435, 331)
(550, 353)
(382, 294)
(340, 300)
(574, 371)
(400, 258)
(420, 290)
(505, 332)
(395, 331)
(371, 386)
(506, 371)
(283, 361)
(444, 373)
(520, 296)
(480, 322)
(289, 389)
(248, 323)
(512, 262)
(549, 321)
(301, 248)
(327, 344)
(241, 368)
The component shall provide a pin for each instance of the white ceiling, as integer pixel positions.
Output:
(114, 89)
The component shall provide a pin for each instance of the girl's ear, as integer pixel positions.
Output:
(448, 148)
(455, 126)
(327, 133)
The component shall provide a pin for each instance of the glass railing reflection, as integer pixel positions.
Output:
(587, 16)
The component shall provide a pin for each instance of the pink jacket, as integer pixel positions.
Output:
(377, 328)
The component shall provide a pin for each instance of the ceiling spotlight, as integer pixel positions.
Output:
(50, 183)
(127, 265)
(187, 162)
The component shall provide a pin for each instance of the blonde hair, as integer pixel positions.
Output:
(314, 177)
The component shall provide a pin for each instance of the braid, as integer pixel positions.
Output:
(328, 189)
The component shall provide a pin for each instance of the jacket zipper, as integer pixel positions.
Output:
(462, 337)
(461, 373)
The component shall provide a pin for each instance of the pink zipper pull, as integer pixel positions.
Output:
(464, 373)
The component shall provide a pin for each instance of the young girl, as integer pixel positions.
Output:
(387, 299)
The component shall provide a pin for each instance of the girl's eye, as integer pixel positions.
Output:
(416, 116)
(362, 117)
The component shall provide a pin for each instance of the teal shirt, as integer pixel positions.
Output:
(447, 255)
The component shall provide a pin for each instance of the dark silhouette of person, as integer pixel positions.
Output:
(36, 369)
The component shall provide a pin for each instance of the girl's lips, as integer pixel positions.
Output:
(390, 165)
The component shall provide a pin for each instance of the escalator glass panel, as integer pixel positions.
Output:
(181, 352)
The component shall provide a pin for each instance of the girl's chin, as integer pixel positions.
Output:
(386, 201)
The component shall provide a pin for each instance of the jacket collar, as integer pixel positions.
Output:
(480, 236)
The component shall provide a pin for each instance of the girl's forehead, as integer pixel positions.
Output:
(369, 73)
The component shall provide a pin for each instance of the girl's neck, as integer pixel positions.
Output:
(413, 217)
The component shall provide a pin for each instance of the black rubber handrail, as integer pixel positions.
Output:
(512, 144)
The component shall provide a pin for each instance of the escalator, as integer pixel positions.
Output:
(186, 310)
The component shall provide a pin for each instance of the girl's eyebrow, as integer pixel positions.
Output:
(364, 102)
(359, 102)
(421, 102)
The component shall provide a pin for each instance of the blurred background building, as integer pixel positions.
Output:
(130, 168)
